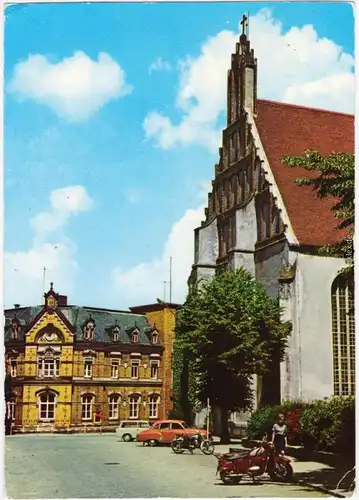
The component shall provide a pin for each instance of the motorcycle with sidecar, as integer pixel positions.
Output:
(256, 462)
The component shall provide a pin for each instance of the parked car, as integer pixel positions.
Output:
(163, 432)
(128, 429)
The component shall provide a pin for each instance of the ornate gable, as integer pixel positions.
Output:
(50, 316)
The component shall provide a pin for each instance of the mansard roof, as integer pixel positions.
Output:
(104, 319)
(289, 130)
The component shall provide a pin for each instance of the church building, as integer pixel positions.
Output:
(258, 218)
(74, 369)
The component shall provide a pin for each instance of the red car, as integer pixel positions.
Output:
(163, 431)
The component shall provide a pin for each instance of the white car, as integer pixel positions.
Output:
(128, 429)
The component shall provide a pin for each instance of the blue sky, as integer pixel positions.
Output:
(124, 144)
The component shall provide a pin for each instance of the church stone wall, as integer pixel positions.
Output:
(246, 227)
(315, 277)
(207, 244)
(268, 264)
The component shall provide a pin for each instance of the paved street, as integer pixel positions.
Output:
(95, 466)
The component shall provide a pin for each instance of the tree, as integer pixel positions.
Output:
(230, 329)
(333, 176)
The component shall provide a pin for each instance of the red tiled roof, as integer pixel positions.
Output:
(288, 130)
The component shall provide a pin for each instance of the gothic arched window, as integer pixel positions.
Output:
(241, 186)
(343, 334)
(265, 221)
(249, 179)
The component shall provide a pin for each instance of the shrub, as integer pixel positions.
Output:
(329, 425)
(261, 421)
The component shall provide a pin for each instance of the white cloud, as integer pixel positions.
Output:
(143, 282)
(293, 65)
(74, 88)
(23, 270)
(159, 65)
(65, 202)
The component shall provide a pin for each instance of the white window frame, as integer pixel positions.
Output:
(13, 367)
(89, 332)
(116, 334)
(11, 405)
(113, 406)
(154, 364)
(114, 368)
(48, 366)
(135, 363)
(47, 405)
(87, 404)
(155, 338)
(14, 331)
(88, 367)
(153, 405)
(134, 406)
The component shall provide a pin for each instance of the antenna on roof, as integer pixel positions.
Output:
(164, 289)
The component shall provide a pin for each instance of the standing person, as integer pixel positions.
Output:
(279, 434)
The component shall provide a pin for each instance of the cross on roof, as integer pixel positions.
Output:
(244, 24)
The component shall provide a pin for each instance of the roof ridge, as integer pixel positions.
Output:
(309, 108)
(102, 309)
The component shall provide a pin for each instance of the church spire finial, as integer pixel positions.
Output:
(244, 24)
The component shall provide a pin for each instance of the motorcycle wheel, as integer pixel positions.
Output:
(227, 478)
(176, 447)
(207, 447)
(282, 472)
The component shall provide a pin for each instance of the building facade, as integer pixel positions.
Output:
(258, 218)
(74, 368)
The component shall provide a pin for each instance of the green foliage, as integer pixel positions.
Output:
(330, 425)
(327, 425)
(332, 176)
(262, 420)
(230, 329)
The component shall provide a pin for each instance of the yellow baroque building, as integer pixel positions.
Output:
(73, 368)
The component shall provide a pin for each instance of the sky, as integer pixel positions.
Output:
(113, 119)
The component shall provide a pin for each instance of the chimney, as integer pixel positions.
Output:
(62, 300)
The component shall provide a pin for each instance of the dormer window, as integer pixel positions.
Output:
(116, 334)
(89, 329)
(135, 336)
(13, 367)
(14, 330)
(154, 338)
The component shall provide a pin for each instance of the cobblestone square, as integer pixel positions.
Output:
(100, 466)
